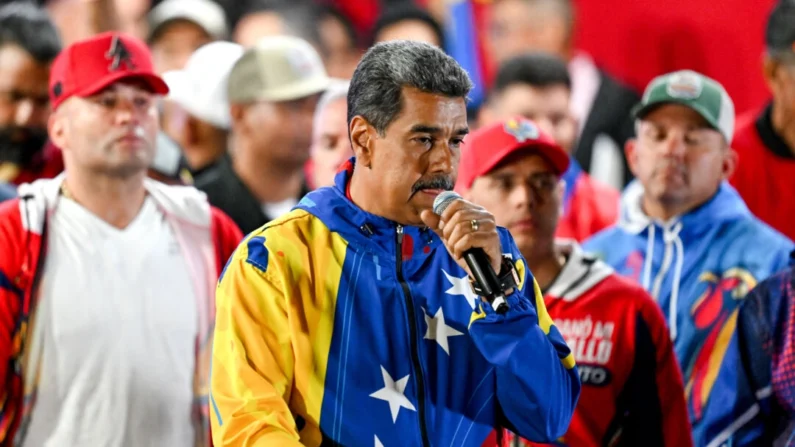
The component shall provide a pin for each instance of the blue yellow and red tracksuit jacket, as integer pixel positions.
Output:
(757, 405)
(698, 267)
(338, 327)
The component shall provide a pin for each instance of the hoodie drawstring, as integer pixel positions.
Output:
(649, 257)
(672, 242)
(680, 260)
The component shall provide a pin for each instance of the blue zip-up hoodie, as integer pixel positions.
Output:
(338, 327)
(697, 266)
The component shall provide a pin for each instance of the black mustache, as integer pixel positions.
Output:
(442, 182)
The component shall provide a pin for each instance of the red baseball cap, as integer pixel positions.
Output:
(88, 66)
(485, 148)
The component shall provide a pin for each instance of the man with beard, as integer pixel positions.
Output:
(632, 390)
(28, 44)
(685, 233)
(352, 320)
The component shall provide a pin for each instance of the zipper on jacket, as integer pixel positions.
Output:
(415, 350)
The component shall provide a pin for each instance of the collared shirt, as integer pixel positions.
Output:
(765, 173)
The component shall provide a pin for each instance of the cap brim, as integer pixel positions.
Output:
(299, 90)
(554, 154)
(177, 82)
(154, 82)
(640, 110)
(156, 30)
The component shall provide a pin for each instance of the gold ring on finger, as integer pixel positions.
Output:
(474, 224)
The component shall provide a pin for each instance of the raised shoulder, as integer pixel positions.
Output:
(285, 241)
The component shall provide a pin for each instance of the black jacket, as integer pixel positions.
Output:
(611, 116)
(226, 191)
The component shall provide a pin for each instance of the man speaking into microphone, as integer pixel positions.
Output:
(353, 320)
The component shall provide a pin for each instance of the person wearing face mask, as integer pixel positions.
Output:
(28, 44)
(684, 233)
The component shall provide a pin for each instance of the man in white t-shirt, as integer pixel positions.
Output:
(106, 277)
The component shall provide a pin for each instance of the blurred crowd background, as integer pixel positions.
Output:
(611, 50)
(258, 125)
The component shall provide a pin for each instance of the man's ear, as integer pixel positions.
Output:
(362, 139)
(237, 113)
(770, 71)
(729, 163)
(56, 128)
(560, 193)
(189, 132)
(631, 154)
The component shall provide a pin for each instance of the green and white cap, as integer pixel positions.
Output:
(704, 95)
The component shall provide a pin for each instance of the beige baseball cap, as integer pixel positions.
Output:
(277, 68)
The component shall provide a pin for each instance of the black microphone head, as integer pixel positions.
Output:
(443, 200)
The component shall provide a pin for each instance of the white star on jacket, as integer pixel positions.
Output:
(378, 442)
(392, 392)
(439, 330)
(461, 287)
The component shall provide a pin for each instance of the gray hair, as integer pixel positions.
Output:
(338, 89)
(386, 68)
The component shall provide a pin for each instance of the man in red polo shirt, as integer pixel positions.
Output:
(765, 141)
(631, 385)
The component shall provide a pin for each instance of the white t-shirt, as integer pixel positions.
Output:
(117, 320)
(276, 210)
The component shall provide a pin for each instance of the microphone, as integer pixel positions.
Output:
(476, 259)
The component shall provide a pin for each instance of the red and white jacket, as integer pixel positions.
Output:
(206, 236)
(632, 392)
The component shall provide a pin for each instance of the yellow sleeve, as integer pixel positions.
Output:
(253, 363)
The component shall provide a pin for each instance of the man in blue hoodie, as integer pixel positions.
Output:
(684, 233)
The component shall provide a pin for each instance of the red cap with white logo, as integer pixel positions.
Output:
(485, 148)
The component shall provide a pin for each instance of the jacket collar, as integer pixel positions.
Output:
(772, 140)
(184, 203)
(581, 272)
(333, 206)
(725, 205)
